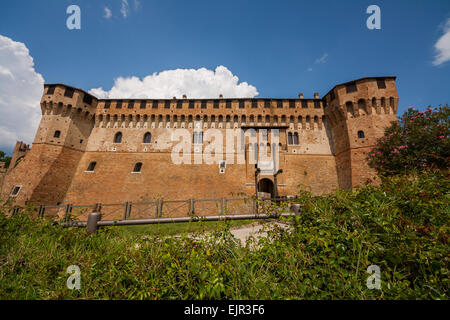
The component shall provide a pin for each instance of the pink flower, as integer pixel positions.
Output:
(441, 137)
(395, 151)
(378, 152)
(372, 154)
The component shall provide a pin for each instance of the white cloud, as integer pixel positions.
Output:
(442, 46)
(108, 13)
(195, 83)
(21, 89)
(124, 8)
(322, 59)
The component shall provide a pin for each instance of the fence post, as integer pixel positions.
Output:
(67, 213)
(125, 211)
(221, 205)
(40, 215)
(129, 208)
(92, 225)
(191, 207)
(161, 207)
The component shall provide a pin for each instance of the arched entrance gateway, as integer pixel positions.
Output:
(266, 185)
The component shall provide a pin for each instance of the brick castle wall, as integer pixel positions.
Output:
(77, 129)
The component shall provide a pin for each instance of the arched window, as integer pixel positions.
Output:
(137, 167)
(57, 134)
(290, 141)
(296, 138)
(374, 102)
(118, 137)
(360, 134)
(391, 102)
(91, 166)
(383, 102)
(148, 137)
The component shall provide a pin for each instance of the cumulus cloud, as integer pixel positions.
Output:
(108, 13)
(442, 46)
(195, 83)
(21, 89)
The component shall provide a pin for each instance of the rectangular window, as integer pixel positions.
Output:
(291, 103)
(143, 103)
(216, 104)
(15, 191)
(254, 104)
(119, 104)
(228, 104)
(280, 104)
(180, 104)
(316, 104)
(304, 104)
(191, 105)
(332, 96)
(87, 99)
(69, 92)
(351, 87)
(155, 104)
(381, 84)
(107, 104)
(241, 104)
(50, 89)
(267, 104)
(203, 104)
(131, 104)
(167, 104)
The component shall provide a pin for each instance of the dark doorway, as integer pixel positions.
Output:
(266, 185)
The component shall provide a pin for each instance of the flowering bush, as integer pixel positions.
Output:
(418, 141)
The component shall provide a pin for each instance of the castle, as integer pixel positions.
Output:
(88, 150)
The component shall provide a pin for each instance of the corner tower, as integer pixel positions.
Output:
(358, 112)
(45, 172)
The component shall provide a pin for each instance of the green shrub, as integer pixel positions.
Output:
(401, 226)
(420, 140)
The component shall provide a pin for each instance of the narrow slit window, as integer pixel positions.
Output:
(290, 138)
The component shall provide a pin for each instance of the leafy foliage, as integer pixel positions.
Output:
(5, 158)
(420, 140)
(401, 226)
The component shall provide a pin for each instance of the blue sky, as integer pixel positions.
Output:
(274, 46)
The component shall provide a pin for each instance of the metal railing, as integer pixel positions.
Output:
(165, 211)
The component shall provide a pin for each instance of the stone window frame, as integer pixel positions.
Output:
(361, 134)
(92, 164)
(115, 137)
(145, 135)
(137, 166)
(15, 194)
(57, 134)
